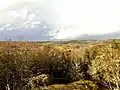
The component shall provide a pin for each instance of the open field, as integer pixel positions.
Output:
(73, 65)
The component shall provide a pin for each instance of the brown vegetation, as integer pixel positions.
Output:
(81, 65)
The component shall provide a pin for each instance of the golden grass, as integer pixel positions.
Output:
(25, 59)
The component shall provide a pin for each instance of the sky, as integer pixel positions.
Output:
(80, 16)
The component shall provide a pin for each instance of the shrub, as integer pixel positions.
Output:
(40, 80)
(105, 66)
(64, 63)
(59, 65)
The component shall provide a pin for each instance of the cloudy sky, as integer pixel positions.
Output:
(80, 16)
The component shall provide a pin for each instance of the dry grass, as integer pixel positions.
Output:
(96, 61)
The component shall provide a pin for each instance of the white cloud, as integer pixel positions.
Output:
(86, 16)
(6, 3)
(89, 16)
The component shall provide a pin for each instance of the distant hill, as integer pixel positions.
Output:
(42, 34)
(113, 35)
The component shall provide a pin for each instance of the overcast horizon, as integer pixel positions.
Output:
(69, 18)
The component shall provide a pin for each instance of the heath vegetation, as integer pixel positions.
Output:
(73, 65)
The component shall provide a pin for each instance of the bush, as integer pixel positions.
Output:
(64, 63)
(59, 65)
(40, 80)
(105, 66)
